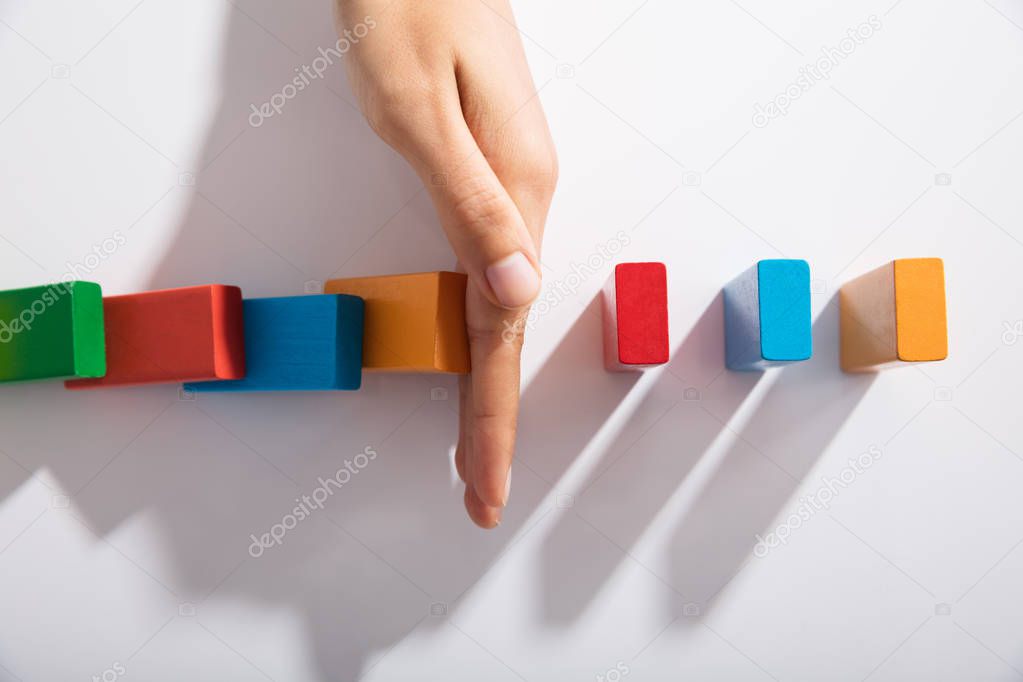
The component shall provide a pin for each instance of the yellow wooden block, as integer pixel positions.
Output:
(414, 322)
(894, 314)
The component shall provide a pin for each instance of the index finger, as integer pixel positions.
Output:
(495, 342)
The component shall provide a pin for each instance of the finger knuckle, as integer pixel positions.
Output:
(491, 432)
(395, 106)
(510, 330)
(485, 336)
(537, 167)
(481, 205)
(544, 167)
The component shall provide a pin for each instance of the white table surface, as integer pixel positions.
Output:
(629, 549)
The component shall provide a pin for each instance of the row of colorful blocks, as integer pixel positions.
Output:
(894, 314)
(213, 340)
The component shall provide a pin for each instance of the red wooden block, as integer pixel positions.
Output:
(636, 317)
(173, 335)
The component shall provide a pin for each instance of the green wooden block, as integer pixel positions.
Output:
(51, 332)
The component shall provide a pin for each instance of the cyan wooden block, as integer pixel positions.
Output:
(767, 316)
(299, 343)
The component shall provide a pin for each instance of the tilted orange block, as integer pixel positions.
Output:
(413, 323)
(894, 314)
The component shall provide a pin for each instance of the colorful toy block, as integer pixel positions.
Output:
(767, 316)
(635, 302)
(189, 334)
(298, 343)
(894, 314)
(414, 323)
(52, 331)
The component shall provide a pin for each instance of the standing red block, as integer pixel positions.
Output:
(173, 335)
(636, 317)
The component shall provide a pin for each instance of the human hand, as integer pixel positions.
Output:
(446, 84)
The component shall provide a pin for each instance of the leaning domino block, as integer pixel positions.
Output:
(635, 302)
(414, 323)
(767, 316)
(52, 331)
(298, 343)
(173, 335)
(894, 314)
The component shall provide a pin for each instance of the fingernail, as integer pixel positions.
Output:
(507, 489)
(514, 280)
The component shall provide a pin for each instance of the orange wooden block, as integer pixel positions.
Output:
(413, 323)
(173, 335)
(894, 314)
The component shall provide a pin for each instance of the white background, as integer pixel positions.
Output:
(125, 515)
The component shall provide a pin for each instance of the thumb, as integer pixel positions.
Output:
(482, 222)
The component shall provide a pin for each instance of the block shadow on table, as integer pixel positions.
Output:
(746, 475)
(570, 581)
(757, 474)
(271, 208)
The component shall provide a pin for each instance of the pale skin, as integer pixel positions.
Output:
(446, 84)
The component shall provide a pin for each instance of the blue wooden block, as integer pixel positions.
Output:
(299, 343)
(767, 316)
